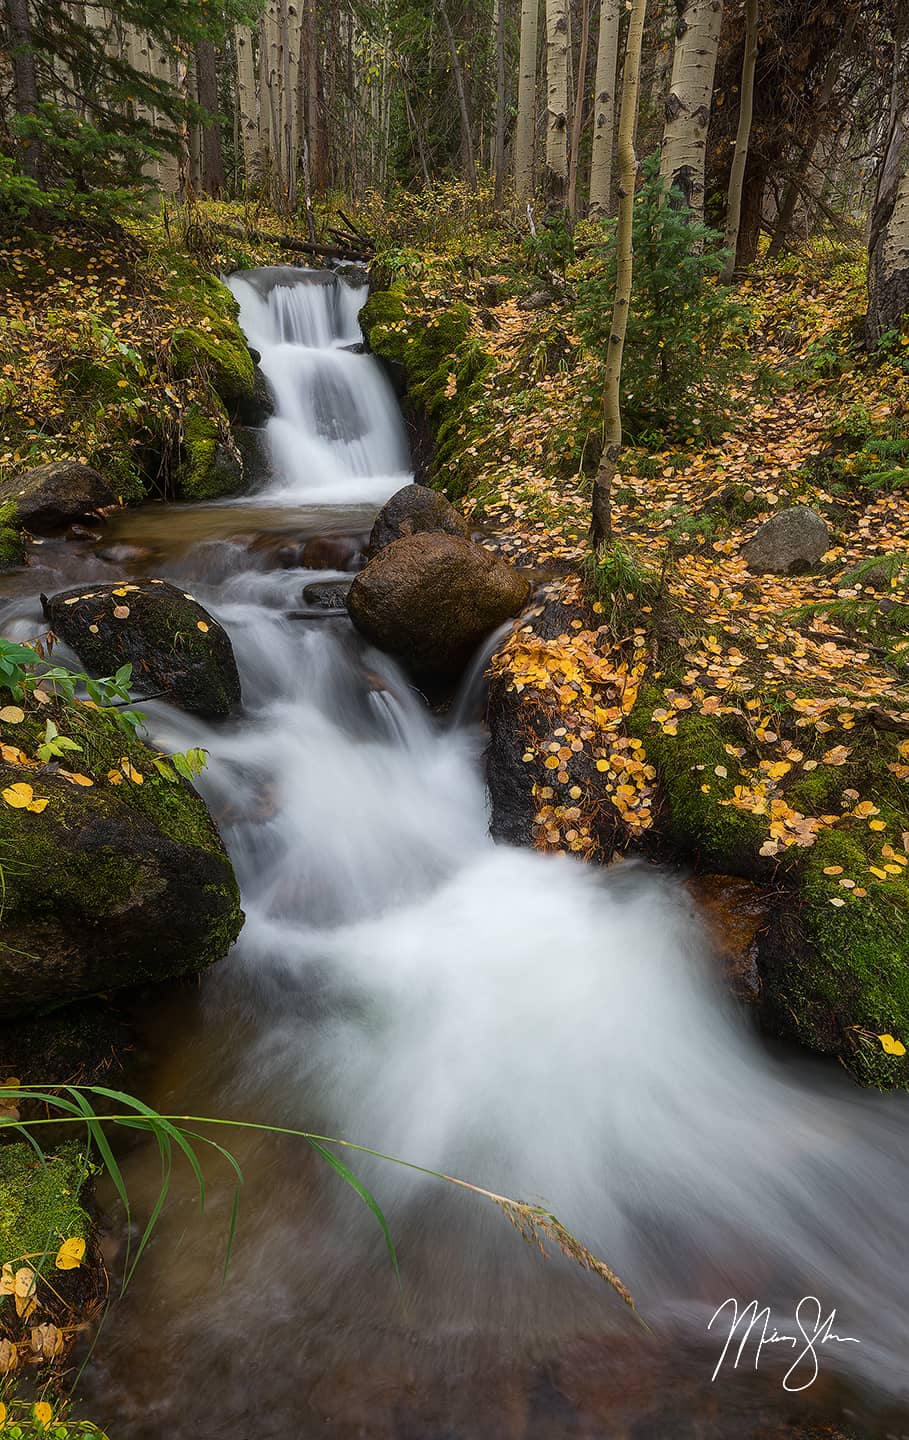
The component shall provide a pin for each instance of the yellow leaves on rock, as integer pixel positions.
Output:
(121, 612)
(71, 1254)
(22, 797)
(12, 715)
(129, 770)
(833, 869)
(877, 825)
(892, 1046)
(115, 777)
(75, 777)
(837, 756)
(201, 625)
(863, 809)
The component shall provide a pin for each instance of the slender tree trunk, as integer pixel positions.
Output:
(690, 93)
(25, 82)
(742, 137)
(246, 100)
(526, 127)
(888, 248)
(604, 108)
(498, 164)
(557, 99)
(601, 519)
(580, 91)
(211, 159)
(795, 188)
(463, 107)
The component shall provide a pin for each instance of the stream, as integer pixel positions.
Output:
(525, 1022)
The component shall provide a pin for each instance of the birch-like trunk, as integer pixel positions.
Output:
(601, 518)
(246, 100)
(498, 159)
(888, 248)
(557, 99)
(688, 105)
(742, 137)
(526, 126)
(604, 108)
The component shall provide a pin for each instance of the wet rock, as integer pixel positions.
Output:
(328, 594)
(82, 532)
(357, 348)
(125, 554)
(789, 543)
(52, 495)
(429, 599)
(734, 910)
(411, 510)
(255, 409)
(173, 644)
(332, 552)
(115, 884)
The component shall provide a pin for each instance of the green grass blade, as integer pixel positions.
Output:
(365, 1195)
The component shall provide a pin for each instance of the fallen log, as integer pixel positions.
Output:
(291, 242)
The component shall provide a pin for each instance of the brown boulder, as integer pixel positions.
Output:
(412, 509)
(55, 494)
(429, 599)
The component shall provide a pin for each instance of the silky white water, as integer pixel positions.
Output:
(537, 1026)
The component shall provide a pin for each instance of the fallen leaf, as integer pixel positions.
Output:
(121, 612)
(71, 1254)
(12, 714)
(19, 796)
(892, 1046)
(43, 1413)
(201, 625)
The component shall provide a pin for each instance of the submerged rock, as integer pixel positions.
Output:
(327, 594)
(116, 874)
(789, 543)
(429, 599)
(53, 495)
(332, 552)
(173, 643)
(411, 510)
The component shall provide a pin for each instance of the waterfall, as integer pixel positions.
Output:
(336, 434)
(529, 1023)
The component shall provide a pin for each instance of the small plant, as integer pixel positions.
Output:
(683, 343)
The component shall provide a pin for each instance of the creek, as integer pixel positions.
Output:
(528, 1023)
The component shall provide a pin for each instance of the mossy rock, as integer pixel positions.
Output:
(220, 355)
(12, 544)
(48, 496)
(211, 466)
(119, 879)
(834, 958)
(173, 644)
(40, 1206)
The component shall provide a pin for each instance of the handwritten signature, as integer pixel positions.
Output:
(814, 1329)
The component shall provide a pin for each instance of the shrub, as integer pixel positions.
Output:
(683, 341)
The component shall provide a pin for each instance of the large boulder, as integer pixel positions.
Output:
(789, 543)
(411, 510)
(429, 599)
(115, 874)
(52, 495)
(173, 644)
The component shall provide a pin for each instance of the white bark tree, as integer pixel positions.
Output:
(688, 105)
(604, 108)
(526, 124)
(557, 98)
(888, 248)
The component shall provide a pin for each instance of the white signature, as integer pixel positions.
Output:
(815, 1329)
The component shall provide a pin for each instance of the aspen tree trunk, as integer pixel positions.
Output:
(794, 189)
(526, 127)
(457, 71)
(557, 99)
(246, 100)
(684, 146)
(604, 108)
(498, 161)
(888, 248)
(742, 137)
(601, 518)
(580, 91)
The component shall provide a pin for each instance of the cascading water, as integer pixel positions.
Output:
(525, 1022)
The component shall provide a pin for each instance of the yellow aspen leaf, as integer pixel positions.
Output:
(19, 796)
(43, 1413)
(93, 629)
(121, 612)
(8, 1357)
(602, 765)
(881, 874)
(75, 777)
(201, 625)
(115, 777)
(12, 714)
(37, 806)
(71, 1254)
(835, 900)
(877, 825)
(2, 1413)
(833, 869)
(892, 1046)
(136, 776)
(7, 1280)
(721, 771)
(120, 590)
(551, 762)
(863, 809)
(893, 869)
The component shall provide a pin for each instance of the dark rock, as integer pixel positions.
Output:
(173, 644)
(429, 599)
(789, 543)
(82, 532)
(332, 552)
(125, 554)
(255, 409)
(53, 495)
(327, 594)
(351, 273)
(252, 446)
(358, 348)
(539, 300)
(411, 510)
(265, 278)
(114, 885)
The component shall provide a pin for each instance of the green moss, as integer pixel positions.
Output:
(209, 468)
(40, 1205)
(214, 347)
(12, 548)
